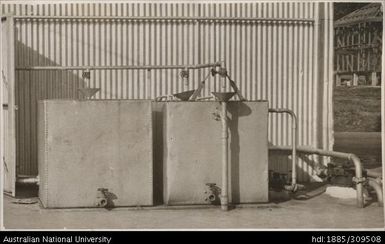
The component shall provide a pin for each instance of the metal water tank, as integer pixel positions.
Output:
(192, 152)
(94, 152)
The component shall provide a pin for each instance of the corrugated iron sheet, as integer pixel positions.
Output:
(7, 78)
(273, 60)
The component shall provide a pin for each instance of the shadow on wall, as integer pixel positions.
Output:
(237, 111)
(158, 151)
(32, 86)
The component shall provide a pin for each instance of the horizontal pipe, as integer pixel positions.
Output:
(166, 19)
(359, 180)
(123, 67)
(372, 174)
(164, 98)
(160, 98)
(378, 188)
(294, 141)
(29, 180)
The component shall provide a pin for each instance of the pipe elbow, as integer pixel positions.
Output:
(357, 164)
(378, 189)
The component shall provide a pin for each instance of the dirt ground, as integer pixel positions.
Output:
(357, 109)
(366, 145)
(318, 211)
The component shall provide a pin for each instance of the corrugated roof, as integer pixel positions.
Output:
(369, 13)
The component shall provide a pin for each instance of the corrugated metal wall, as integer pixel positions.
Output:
(274, 60)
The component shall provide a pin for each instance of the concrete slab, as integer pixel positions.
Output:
(321, 212)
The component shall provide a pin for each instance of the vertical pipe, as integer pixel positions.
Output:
(383, 108)
(359, 179)
(2, 129)
(294, 142)
(224, 195)
(294, 123)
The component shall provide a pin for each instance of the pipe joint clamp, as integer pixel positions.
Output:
(358, 180)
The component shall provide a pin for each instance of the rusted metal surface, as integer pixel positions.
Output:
(192, 153)
(87, 145)
(281, 60)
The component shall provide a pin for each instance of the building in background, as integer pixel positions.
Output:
(358, 46)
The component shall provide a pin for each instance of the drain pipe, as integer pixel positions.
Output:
(294, 143)
(225, 135)
(358, 179)
(223, 97)
(378, 188)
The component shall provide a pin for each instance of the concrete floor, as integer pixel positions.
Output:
(321, 211)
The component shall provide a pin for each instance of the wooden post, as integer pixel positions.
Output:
(355, 79)
(338, 80)
(374, 79)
